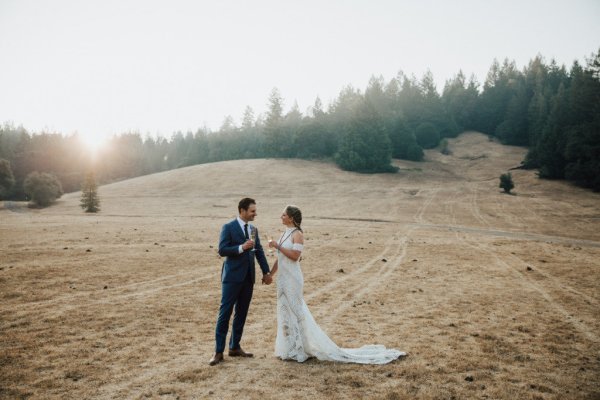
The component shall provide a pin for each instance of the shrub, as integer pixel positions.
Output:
(42, 188)
(506, 182)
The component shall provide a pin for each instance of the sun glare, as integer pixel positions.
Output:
(93, 143)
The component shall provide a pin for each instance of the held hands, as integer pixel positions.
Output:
(267, 279)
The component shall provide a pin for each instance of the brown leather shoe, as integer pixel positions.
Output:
(239, 353)
(217, 358)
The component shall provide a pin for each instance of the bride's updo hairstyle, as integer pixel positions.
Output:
(295, 214)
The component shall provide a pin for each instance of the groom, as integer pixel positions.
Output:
(237, 277)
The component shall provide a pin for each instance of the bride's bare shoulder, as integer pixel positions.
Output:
(298, 237)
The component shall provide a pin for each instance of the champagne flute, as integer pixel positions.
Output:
(270, 239)
(252, 236)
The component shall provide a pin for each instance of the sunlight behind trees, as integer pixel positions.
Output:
(548, 108)
(93, 144)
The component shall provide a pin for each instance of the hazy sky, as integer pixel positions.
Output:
(105, 67)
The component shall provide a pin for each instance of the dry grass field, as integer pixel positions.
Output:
(492, 296)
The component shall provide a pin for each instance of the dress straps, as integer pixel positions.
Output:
(283, 239)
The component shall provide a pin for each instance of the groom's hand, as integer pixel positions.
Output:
(267, 279)
(248, 245)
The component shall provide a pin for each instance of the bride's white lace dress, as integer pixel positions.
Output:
(298, 335)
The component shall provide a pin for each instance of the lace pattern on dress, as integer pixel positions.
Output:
(299, 337)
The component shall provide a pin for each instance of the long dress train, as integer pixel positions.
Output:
(299, 337)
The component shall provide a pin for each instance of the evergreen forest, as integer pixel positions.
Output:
(552, 110)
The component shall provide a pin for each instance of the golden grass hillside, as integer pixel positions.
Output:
(493, 296)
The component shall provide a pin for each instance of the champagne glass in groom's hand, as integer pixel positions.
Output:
(252, 236)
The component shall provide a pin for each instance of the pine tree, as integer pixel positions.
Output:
(248, 120)
(7, 179)
(582, 150)
(273, 124)
(513, 129)
(90, 201)
(404, 143)
(537, 116)
(317, 109)
(365, 146)
(550, 150)
(228, 125)
(427, 135)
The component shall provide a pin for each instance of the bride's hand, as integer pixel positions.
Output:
(273, 244)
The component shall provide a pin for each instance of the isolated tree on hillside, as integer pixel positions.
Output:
(506, 182)
(7, 179)
(42, 188)
(90, 201)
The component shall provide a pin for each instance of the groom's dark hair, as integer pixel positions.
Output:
(245, 203)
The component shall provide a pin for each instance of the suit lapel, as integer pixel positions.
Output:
(239, 230)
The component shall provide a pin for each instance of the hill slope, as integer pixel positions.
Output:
(465, 182)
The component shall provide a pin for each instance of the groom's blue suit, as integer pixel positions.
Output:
(237, 277)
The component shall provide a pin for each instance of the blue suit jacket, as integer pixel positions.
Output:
(236, 265)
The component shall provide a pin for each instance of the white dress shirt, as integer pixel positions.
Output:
(242, 223)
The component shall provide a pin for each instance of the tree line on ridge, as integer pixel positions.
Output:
(552, 110)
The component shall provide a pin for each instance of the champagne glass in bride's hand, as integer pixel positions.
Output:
(270, 239)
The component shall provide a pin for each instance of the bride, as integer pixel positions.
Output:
(298, 335)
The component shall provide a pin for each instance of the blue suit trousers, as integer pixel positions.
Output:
(234, 296)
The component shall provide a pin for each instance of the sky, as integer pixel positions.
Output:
(104, 67)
